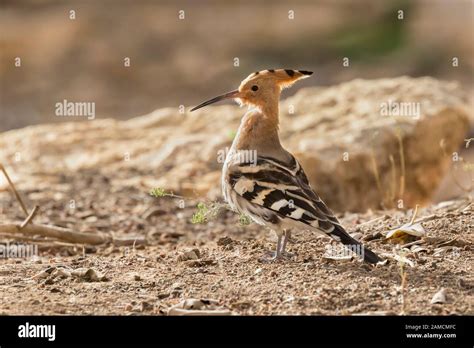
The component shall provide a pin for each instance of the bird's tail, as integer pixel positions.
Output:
(357, 247)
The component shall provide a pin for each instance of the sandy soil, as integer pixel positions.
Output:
(149, 279)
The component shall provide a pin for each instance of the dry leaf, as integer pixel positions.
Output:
(416, 230)
(439, 297)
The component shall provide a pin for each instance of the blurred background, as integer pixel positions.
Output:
(174, 62)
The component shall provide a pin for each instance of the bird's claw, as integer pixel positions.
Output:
(287, 255)
(271, 256)
(274, 257)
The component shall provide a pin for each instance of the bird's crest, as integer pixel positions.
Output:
(282, 77)
(261, 87)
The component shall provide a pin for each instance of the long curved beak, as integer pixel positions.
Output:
(229, 95)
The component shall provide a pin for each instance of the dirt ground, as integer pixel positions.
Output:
(150, 279)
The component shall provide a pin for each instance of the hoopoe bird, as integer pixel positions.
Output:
(272, 188)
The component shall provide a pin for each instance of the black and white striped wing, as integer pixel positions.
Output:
(279, 193)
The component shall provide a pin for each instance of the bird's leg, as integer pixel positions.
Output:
(287, 235)
(285, 240)
(276, 255)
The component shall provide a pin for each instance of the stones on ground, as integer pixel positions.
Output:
(224, 241)
(53, 274)
(89, 275)
(203, 307)
(200, 263)
(193, 254)
(192, 258)
(146, 306)
(176, 289)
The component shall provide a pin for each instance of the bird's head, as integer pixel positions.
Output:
(261, 87)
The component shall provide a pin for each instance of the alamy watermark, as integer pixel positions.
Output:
(395, 108)
(343, 251)
(28, 330)
(18, 251)
(240, 156)
(79, 109)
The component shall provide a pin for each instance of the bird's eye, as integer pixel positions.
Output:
(254, 88)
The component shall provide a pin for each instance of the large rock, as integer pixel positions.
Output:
(350, 149)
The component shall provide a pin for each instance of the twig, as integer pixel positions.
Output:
(447, 242)
(414, 215)
(421, 241)
(466, 207)
(129, 241)
(427, 218)
(61, 233)
(2, 168)
(21, 238)
(70, 236)
(29, 218)
(403, 284)
(370, 221)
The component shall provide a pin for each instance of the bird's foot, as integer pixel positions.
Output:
(271, 256)
(287, 255)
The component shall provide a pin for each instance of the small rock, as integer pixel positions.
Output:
(225, 241)
(176, 289)
(439, 297)
(163, 295)
(44, 273)
(146, 306)
(200, 263)
(88, 274)
(374, 236)
(203, 307)
(49, 281)
(189, 255)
